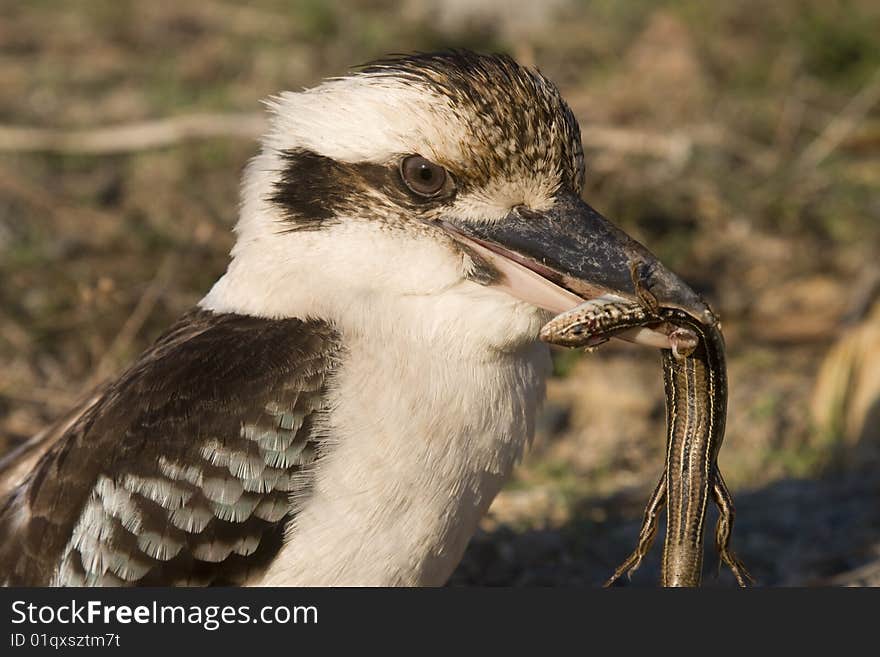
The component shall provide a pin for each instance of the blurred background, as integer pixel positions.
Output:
(739, 141)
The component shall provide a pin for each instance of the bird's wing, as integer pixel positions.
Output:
(21, 459)
(186, 469)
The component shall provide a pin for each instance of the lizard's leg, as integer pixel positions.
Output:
(646, 533)
(726, 515)
(684, 342)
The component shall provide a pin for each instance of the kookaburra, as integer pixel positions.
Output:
(348, 398)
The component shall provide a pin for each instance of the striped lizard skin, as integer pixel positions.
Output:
(695, 378)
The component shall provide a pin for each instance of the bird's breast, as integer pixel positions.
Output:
(419, 442)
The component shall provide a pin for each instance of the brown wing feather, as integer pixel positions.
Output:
(186, 469)
(19, 461)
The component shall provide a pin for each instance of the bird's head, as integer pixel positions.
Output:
(445, 186)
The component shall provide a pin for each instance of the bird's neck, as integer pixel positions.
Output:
(458, 313)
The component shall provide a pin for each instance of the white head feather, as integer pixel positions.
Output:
(359, 274)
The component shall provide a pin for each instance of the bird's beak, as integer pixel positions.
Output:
(556, 259)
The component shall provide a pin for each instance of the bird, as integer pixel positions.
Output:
(344, 403)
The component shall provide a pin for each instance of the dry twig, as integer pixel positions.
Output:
(131, 137)
(842, 124)
(141, 312)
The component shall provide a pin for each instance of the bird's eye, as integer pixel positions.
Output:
(422, 176)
